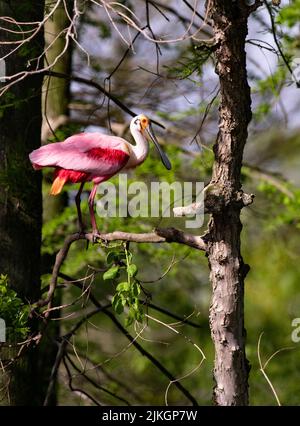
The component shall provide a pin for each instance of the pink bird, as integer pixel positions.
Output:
(95, 157)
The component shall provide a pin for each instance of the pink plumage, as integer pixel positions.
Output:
(94, 154)
(82, 158)
(95, 157)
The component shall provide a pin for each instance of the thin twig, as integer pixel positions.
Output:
(189, 341)
(274, 32)
(95, 384)
(101, 89)
(160, 235)
(140, 348)
(172, 315)
(77, 390)
(263, 371)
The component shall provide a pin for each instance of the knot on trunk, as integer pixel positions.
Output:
(243, 199)
(217, 199)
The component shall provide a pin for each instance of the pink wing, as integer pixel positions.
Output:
(92, 153)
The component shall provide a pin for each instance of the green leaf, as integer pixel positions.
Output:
(13, 311)
(139, 316)
(132, 270)
(124, 286)
(111, 273)
(136, 289)
(131, 317)
(111, 257)
(117, 304)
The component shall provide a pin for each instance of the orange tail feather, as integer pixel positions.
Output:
(57, 185)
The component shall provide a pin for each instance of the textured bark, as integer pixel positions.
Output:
(56, 91)
(227, 269)
(20, 194)
(56, 94)
(20, 186)
(55, 104)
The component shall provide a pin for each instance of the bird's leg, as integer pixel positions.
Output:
(77, 201)
(92, 213)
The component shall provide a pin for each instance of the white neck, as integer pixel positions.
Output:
(139, 151)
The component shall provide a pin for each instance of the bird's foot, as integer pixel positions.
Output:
(97, 238)
(95, 235)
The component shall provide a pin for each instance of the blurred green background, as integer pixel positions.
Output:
(181, 90)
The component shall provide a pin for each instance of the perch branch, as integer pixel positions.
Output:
(160, 235)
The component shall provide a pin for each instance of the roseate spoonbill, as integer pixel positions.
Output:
(95, 157)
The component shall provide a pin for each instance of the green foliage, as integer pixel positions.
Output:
(262, 110)
(111, 273)
(187, 113)
(7, 100)
(127, 292)
(285, 207)
(15, 176)
(273, 84)
(28, 50)
(192, 62)
(13, 311)
(104, 30)
(65, 131)
(270, 243)
(289, 15)
(55, 230)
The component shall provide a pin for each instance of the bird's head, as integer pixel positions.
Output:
(142, 124)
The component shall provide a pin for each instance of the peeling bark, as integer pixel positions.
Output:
(227, 269)
(20, 199)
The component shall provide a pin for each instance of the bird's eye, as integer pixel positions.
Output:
(137, 121)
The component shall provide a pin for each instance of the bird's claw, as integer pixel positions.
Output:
(105, 243)
(95, 236)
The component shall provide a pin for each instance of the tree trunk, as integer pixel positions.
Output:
(227, 269)
(20, 191)
(55, 99)
(56, 91)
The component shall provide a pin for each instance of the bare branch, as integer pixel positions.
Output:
(172, 315)
(116, 8)
(272, 178)
(77, 390)
(158, 5)
(94, 383)
(160, 235)
(108, 375)
(274, 32)
(140, 348)
(101, 89)
(59, 356)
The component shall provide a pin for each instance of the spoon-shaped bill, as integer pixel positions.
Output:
(163, 156)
